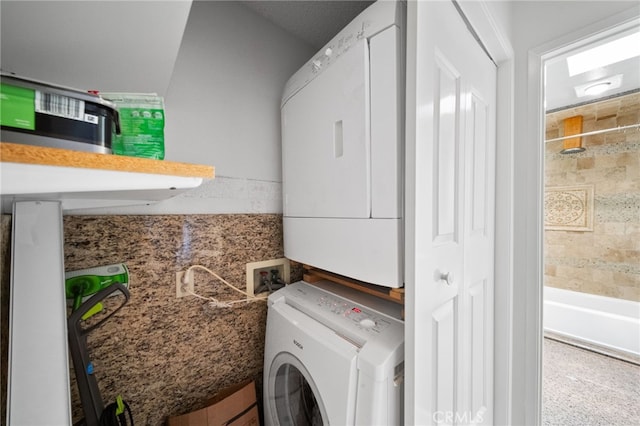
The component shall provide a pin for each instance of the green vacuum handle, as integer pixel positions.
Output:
(92, 403)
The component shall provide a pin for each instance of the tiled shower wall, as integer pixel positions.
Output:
(604, 261)
(165, 355)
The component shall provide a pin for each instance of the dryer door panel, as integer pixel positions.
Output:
(326, 141)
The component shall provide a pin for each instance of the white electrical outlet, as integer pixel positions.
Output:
(180, 287)
(255, 268)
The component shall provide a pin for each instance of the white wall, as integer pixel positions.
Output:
(94, 45)
(536, 24)
(222, 100)
(223, 109)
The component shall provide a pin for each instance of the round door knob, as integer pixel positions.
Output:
(447, 277)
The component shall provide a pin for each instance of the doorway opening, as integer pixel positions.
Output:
(591, 293)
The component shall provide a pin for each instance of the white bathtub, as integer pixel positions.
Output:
(602, 321)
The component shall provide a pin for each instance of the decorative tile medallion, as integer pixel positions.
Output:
(568, 208)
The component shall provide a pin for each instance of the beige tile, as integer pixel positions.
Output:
(555, 250)
(594, 140)
(614, 137)
(628, 159)
(585, 163)
(550, 270)
(573, 273)
(553, 147)
(614, 255)
(629, 102)
(627, 279)
(552, 133)
(551, 281)
(629, 293)
(606, 122)
(630, 118)
(562, 164)
(602, 276)
(614, 241)
(631, 256)
(614, 228)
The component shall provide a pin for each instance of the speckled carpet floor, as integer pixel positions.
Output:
(585, 388)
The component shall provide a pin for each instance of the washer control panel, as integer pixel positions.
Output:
(346, 316)
(350, 312)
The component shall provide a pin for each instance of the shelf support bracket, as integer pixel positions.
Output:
(38, 382)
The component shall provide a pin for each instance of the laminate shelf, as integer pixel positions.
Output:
(89, 180)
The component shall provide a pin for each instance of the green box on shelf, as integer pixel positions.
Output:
(141, 123)
(17, 107)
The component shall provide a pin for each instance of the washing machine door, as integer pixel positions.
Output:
(296, 398)
(310, 372)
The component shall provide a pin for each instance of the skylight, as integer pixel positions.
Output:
(605, 54)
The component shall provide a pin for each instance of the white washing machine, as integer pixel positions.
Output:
(331, 359)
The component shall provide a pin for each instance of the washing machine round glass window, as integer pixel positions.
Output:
(298, 404)
(295, 399)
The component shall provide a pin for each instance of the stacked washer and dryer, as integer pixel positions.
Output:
(334, 355)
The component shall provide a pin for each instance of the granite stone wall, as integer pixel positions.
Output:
(606, 260)
(164, 355)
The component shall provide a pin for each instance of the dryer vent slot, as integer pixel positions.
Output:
(338, 147)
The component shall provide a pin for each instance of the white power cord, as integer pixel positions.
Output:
(213, 302)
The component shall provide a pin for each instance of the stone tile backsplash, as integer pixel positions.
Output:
(165, 355)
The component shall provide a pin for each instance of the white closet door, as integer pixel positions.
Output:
(451, 90)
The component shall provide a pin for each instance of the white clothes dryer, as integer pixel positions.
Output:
(343, 151)
(332, 360)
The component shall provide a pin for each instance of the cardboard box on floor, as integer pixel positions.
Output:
(234, 406)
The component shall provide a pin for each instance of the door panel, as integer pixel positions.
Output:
(478, 353)
(478, 162)
(479, 242)
(446, 118)
(444, 366)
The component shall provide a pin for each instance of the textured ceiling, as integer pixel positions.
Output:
(316, 22)
(313, 21)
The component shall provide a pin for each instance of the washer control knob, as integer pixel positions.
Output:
(367, 323)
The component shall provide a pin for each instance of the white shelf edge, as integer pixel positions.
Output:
(80, 188)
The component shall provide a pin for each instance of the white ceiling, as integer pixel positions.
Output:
(312, 21)
(80, 43)
(560, 86)
(317, 21)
